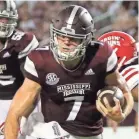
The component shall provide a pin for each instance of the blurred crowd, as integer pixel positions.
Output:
(35, 16)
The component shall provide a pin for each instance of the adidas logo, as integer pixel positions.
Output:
(6, 55)
(90, 72)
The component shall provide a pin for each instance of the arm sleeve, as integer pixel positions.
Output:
(29, 43)
(30, 70)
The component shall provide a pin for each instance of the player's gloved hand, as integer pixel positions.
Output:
(115, 113)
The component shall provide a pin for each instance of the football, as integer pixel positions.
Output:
(110, 92)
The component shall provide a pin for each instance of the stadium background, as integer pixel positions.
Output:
(35, 16)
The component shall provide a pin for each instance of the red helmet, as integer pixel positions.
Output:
(123, 44)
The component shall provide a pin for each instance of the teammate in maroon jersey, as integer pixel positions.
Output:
(14, 47)
(125, 47)
(69, 74)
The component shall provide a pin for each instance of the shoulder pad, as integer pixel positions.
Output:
(132, 60)
(24, 43)
(22, 36)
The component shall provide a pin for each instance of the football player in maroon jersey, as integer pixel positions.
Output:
(125, 47)
(69, 74)
(14, 47)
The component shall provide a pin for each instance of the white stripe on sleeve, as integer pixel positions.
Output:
(133, 82)
(132, 75)
(31, 46)
(112, 61)
(30, 67)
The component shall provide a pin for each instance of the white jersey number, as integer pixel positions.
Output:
(17, 36)
(76, 107)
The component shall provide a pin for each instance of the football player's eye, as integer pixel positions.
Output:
(59, 36)
(76, 40)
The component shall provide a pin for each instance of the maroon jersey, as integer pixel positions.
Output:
(12, 55)
(70, 97)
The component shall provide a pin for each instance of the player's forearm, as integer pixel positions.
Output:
(130, 103)
(11, 127)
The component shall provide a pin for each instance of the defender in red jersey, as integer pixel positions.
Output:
(14, 47)
(69, 72)
(125, 47)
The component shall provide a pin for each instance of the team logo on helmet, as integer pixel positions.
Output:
(122, 43)
(52, 79)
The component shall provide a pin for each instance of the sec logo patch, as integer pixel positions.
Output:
(52, 79)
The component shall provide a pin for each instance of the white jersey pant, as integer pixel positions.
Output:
(35, 127)
(4, 108)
